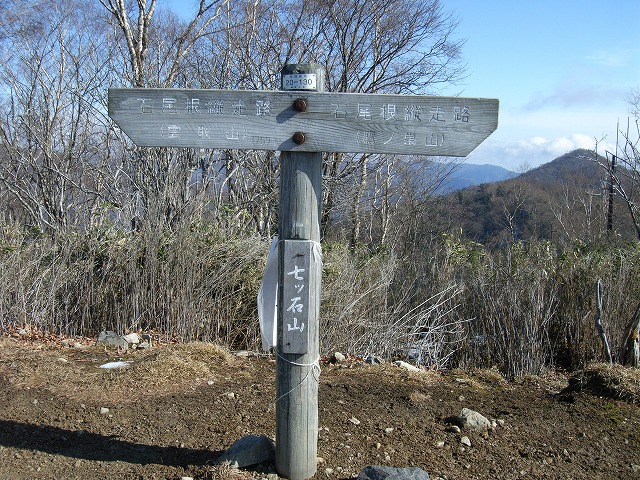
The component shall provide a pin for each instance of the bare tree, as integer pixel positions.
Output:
(154, 47)
(393, 46)
(623, 165)
(50, 114)
(140, 37)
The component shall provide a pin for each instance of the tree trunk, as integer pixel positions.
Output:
(630, 350)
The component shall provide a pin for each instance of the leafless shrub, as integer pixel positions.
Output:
(360, 316)
(189, 284)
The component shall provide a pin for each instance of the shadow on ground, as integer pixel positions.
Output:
(85, 445)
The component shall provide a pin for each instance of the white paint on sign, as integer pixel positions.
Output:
(298, 302)
(299, 81)
(330, 122)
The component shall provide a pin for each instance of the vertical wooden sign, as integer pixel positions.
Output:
(300, 301)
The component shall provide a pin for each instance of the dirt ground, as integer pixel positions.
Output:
(175, 408)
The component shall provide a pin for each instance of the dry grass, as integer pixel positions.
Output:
(75, 373)
(491, 376)
(418, 398)
(615, 381)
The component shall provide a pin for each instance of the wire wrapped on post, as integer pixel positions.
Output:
(314, 370)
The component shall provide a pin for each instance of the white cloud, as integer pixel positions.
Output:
(562, 145)
(533, 151)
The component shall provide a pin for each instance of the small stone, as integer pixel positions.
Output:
(339, 357)
(378, 446)
(453, 428)
(406, 366)
(465, 441)
(210, 382)
(132, 338)
(249, 450)
(78, 345)
(104, 410)
(62, 360)
(440, 444)
(328, 471)
(500, 422)
(229, 395)
(378, 472)
(373, 360)
(388, 430)
(186, 478)
(354, 420)
(113, 339)
(473, 420)
(34, 402)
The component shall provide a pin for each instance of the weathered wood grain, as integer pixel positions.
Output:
(332, 122)
(296, 370)
(297, 366)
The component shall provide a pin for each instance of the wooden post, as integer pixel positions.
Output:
(299, 279)
(301, 122)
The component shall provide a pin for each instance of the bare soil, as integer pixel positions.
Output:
(175, 408)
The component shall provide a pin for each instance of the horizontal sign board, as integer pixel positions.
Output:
(319, 122)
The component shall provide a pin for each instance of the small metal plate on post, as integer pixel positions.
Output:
(298, 304)
(299, 81)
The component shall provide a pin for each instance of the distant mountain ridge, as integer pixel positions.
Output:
(559, 201)
(564, 168)
(567, 168)
(468, 175)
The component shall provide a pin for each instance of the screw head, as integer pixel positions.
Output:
(300, 105)
(298, 138)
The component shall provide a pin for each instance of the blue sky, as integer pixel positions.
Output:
(562, 70)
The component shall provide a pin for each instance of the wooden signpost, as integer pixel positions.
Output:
(301, 121)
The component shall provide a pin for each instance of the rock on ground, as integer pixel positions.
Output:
(377, 472)
(406, 366)
(112, 338)
(473, 420)
(249, 450)
(339, 357)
